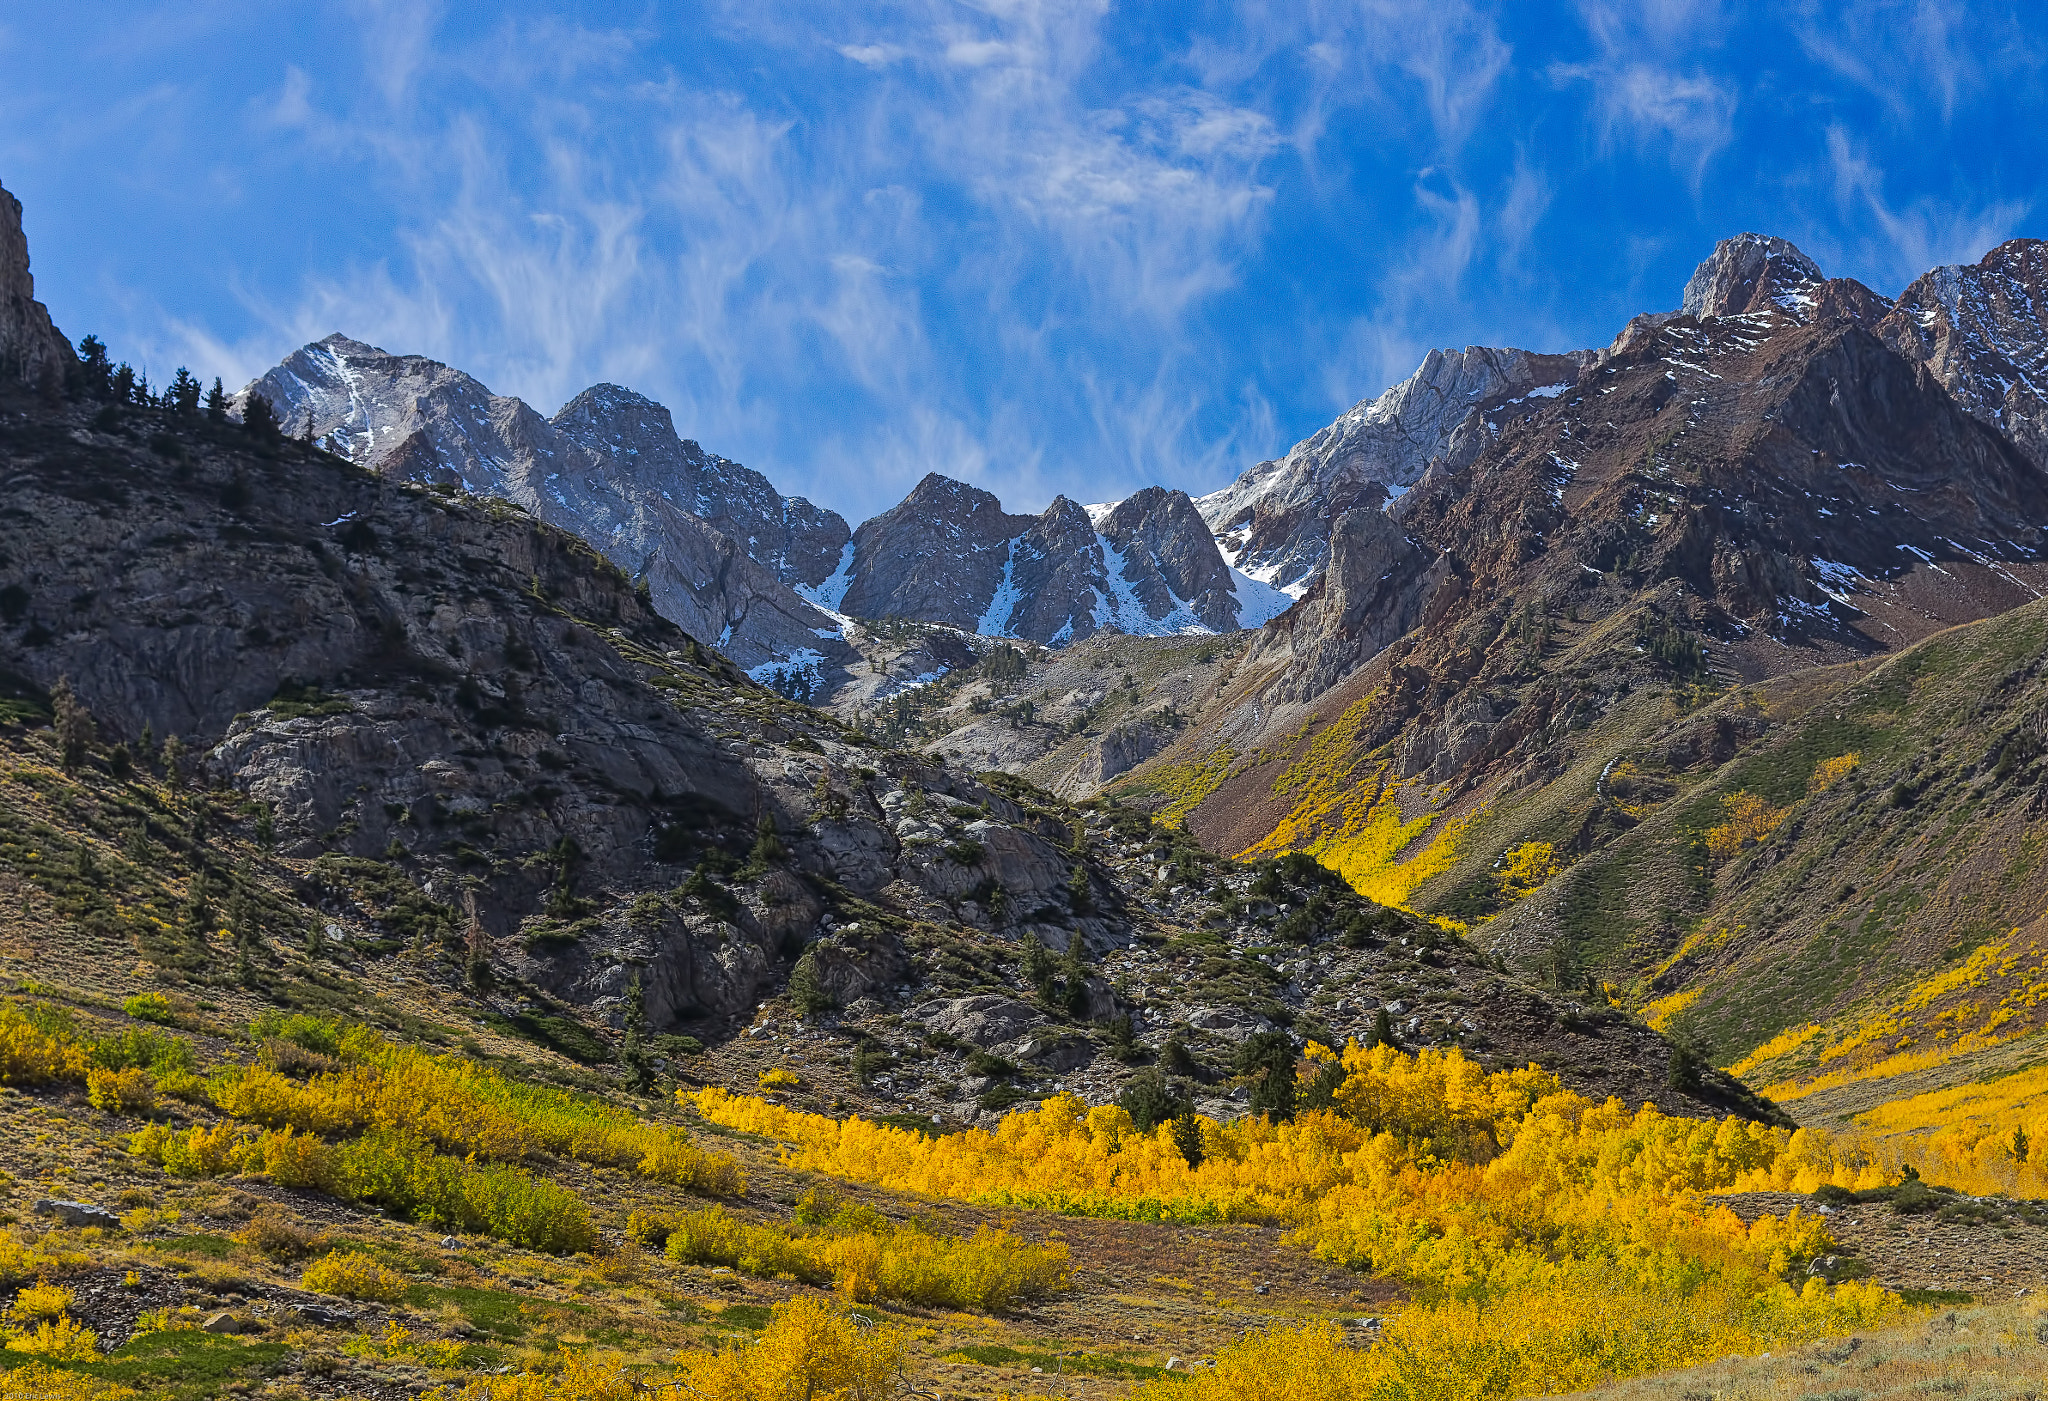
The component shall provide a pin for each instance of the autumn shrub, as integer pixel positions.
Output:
(141, 1047)
(462, 1108)
(650, 1228)
(354, 1275)
(1828, 772)
(780, 1078)
(809, 1350)
(36, 1382)
(395, 1170)
(866, 1257)
(150, 1007)
(131, 1091)
(39, 1302)
(276, 1236)
(35, 1258)
(36, 1047)
(673, 1159)
(1578, 1239)
(60, 1339)
(1746, 820)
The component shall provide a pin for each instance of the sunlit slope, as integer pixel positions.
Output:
(1868, 858)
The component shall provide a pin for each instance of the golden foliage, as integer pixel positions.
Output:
(1547, 1241)
(36, 1382)
(32, 1054)
(41, 1300)
(59, 1339)
(32, 1259)
(1747, 819)
(1186, 785)
(1582, 1329)
(1828, 772)
(1526, 868)
(129, 1091)
(780, 1078)
(809, 1350)
(866, 1258)
(354, 1275)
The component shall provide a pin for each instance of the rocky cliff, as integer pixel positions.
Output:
(32, 351)
(719, 550)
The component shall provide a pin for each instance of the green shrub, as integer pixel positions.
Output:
(150, 1007)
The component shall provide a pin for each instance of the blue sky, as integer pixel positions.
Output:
(1046, 247)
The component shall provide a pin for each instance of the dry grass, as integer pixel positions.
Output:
(1990, 1353)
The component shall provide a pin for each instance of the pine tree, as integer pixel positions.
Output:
(807, 988)
(183, 395)
(1267, 1059)
(1148, 1100)
(633, 1050)
(93, 370)
(243, 926)
(259, 420)
(73, 723)
(123, 387)
(174, 762)
(217, 402)
(476, 943)
(140, 395)
(1187, 1136)
(1074, 976)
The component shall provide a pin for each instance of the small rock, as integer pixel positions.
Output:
(228, 1323)
(328, 1315)
(78, 1213)
(449, 1243)
(1259, 1289)
(1174, 1364)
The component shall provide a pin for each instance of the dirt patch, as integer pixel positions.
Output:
(1921, 1252)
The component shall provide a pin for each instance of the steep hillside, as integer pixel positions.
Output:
(1850, 856)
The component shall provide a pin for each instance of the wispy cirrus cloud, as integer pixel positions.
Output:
(1651, 82)
(1049, 245)
(1905, 241)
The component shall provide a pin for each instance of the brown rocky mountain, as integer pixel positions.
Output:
(1505, 665)
(721, 552)
(32, 351)
(451, 737)
(1275, 519)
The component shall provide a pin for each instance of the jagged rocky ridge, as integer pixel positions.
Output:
(721, 552)
(949, 553)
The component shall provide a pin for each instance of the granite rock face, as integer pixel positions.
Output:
(32, 351)
(720, 552)
(1979, 329)
(1377, 586)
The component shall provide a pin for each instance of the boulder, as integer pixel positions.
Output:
(985, 1020)
(78, 1213)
